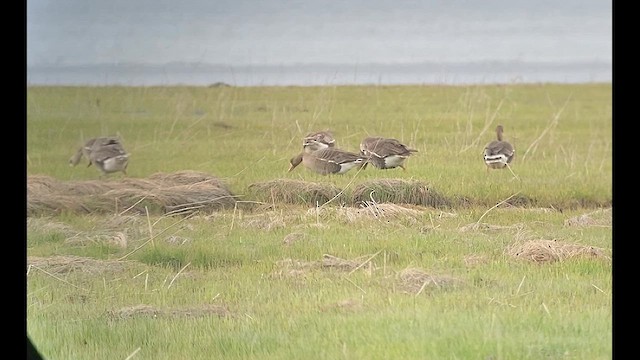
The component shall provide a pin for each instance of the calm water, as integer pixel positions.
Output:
(307, 75)
(165, 42)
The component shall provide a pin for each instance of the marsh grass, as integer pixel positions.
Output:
(445, 260)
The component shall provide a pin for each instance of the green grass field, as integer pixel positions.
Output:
(297, 281)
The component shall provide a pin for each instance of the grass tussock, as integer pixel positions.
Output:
(178, 193)
(547, 251)
(399, 191)
(293, 192)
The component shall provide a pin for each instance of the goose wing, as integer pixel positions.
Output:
(384, 147)
(102, 153)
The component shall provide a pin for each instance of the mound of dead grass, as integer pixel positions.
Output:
(293, 192)
(399, 191)
(180, 192)
(547, 251)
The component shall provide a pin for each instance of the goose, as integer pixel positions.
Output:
(385, 153)
(327, 161)
(109, 158)
(85, 150)
(498, 153)
(318, 140)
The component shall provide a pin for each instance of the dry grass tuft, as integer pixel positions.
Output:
(546, 251)
(399, 191)
(415, 281)
(118, 239)
(474, 260)
(520, 201)
(178, 193)
(48, 225)
(297, 264)
(293, 192)
(265, 221)
(290, 268)
(366, 212)
(293, 238)
(37, 184)
(330, 261)
(489, 227)
(601, 217)
(70, 263)
(177, 240)
(153, 312)
(188, 177)
(347, 305)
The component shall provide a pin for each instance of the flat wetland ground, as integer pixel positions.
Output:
(208, 247)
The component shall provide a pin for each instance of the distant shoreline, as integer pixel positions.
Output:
(486, 72)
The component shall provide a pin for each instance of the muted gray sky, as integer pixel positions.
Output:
(71, 32)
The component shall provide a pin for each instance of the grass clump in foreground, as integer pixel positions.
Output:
(217, 252)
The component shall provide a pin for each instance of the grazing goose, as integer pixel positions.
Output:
(85, 150)
(109, 158)
(498, 153)
(385, 153)
(318, 140)
(328, 161)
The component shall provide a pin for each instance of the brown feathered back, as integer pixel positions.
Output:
(328, 161)
(385, 153)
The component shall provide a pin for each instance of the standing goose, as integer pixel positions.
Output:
(385, 153)
(498, 153)
(318, 140)
(86, 149)
(327, 161)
